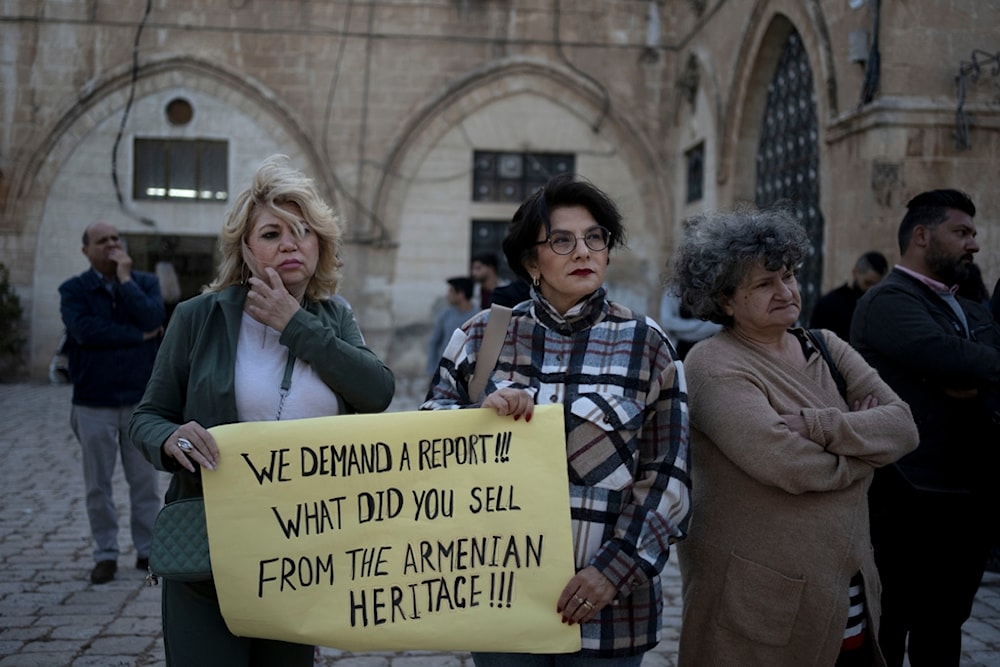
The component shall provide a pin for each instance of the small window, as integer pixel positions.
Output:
(181, 170)
(695, 158)
(179, 111)
(510, 177)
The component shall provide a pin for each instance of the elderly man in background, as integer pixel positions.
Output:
(114, 317)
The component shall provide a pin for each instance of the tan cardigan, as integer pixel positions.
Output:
(780, 522)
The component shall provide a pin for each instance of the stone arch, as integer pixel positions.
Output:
(111, 94)
(424, 198)
(577, 96)
(770, 23)
(72, 169)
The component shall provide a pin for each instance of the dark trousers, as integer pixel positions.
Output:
(931, 550)
(195, 634)
(859, 657)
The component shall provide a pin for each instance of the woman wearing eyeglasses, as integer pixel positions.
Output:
(623, 397)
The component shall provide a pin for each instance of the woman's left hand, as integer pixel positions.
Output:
(797, 423)
(269, 302)
(867, 403)
(585, 595)
(510, 402)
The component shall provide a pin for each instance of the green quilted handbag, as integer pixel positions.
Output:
(180, 543)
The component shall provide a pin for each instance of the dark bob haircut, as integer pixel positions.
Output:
(561, 191)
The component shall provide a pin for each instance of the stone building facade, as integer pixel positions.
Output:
(424, 122)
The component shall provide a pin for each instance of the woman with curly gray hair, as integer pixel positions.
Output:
(787, 428)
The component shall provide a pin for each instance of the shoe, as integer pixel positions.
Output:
(142, 563)
(104, 571)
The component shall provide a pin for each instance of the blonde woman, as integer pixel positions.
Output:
(265, 322)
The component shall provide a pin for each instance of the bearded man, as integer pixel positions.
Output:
(933, 513)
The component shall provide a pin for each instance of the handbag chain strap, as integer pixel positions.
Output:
(286, 383)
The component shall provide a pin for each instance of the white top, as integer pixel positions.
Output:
(260, 366)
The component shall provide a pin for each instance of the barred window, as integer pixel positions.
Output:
(511, 177)
(181, 169)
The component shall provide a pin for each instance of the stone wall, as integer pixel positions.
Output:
(385, 102)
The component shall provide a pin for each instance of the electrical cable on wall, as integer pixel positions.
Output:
(364, 211)
(121, 129)
(606, 101)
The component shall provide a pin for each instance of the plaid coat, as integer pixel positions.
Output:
(625, 406)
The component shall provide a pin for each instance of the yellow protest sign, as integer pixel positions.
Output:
(444, 530)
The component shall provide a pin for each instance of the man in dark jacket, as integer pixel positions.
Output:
(933, 512)
(835, 309)
(113, 317)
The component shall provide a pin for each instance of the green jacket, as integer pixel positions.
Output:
(192, 378)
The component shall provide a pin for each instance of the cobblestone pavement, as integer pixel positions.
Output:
(52, 616)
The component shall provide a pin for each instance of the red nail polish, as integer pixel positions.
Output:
(528, 417)
(516, 417)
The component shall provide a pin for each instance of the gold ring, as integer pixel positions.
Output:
(588, 604)
(579, 599)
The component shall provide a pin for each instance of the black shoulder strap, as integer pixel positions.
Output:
(817, 338)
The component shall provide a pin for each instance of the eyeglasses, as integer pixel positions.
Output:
(563, 242)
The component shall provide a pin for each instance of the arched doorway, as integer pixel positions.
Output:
(77, 191)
